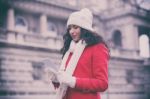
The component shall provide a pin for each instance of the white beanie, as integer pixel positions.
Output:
(82, 18)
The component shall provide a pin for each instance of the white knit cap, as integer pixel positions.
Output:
(82, 18)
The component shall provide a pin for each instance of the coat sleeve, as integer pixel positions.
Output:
(99, 81)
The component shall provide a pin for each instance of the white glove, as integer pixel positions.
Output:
(54, 78)
(66, 79)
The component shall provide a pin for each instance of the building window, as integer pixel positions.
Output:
(3, 16)
(52, 30)
(0, 68)
(129, 76)
(117, 38)
(144, 46)
(144, 41)
(38, 70)
(51, 27)
(21, 24)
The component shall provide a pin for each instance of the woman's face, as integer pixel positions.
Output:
(75, 32)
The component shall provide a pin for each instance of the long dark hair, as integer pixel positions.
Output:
(91, 38)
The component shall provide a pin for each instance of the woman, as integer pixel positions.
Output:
(83, 72)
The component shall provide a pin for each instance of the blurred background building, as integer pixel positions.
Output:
(31, 31)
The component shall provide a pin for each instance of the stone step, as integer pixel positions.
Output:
(35, 87)
(51, 96)
(128, 88)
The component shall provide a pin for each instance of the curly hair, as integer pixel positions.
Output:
(91, 38)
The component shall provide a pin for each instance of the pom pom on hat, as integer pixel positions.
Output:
(82, 18)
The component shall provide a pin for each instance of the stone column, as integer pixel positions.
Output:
(130, 37)
(10, 19)
(11, 25)
(43, 24)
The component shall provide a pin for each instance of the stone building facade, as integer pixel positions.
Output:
(31, 31)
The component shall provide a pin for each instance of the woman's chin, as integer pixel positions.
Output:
(75, 40)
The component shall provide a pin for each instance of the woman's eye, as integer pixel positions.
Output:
(75, 27)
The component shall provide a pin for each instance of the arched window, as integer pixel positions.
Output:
(144, 46)
(52, 30)
(21, 24)
(117, 38)
(38, 70)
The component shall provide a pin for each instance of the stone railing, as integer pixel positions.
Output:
(125, 9)
(30, 39)
(124, 53)
(147, 62)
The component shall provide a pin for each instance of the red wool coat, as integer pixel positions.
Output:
(91, 73)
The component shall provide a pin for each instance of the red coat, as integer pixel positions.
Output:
(91, 73)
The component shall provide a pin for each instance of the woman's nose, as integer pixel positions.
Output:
(71, 30)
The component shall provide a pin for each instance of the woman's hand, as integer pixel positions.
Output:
(66, 79)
